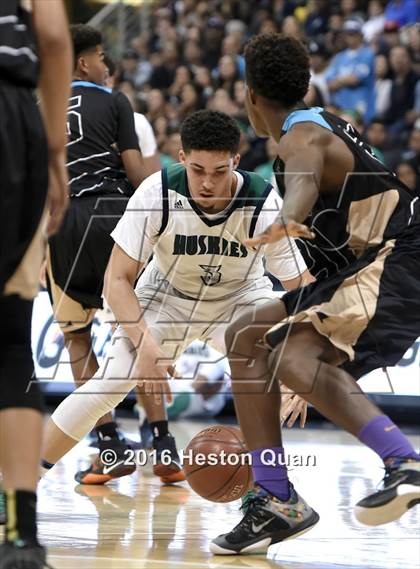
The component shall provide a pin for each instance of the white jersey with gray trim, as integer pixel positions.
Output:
(203, 255)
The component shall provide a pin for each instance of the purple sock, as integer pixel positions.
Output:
(272, 478)
(386, 439)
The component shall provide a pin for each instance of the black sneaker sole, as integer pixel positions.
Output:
(262, 544)
(407, 496)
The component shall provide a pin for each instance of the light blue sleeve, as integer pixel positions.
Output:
(333, 70)
(365, 66)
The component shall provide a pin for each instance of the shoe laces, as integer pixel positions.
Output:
(391, 471)
(251, 507)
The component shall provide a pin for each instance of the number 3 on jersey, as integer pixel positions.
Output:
(74, 120)
(212, 274)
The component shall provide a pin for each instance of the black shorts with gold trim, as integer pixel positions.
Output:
(23, 190)
(78, 257)
(370, 310)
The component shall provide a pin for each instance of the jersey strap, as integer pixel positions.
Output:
(89, 84)
(260, 203)
(165, 201)
(305, 115)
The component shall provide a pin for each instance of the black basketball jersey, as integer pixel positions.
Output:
(372, 207)
(100, 125)
(18, 59)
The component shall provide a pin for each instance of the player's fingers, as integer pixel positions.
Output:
(294, 415)
(303, 415)
(286, 411)
(300, 230)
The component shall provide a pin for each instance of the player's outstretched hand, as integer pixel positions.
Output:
(291, 407)
(277, 231)
(152, 370)
(57, 199)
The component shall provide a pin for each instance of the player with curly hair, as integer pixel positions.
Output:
(193, 218)
(358, 228)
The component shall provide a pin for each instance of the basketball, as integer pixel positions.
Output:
(216, 464)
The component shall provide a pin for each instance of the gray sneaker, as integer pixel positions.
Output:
(267, 520)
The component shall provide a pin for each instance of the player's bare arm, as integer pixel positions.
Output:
(134, 166)
(55, 54)
(304, 152)
(120, 276)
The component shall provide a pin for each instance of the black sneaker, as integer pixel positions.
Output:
(2, 508)
(114, 460)
(167, 464)
(400, 492)
(267, 520)
(19, 555)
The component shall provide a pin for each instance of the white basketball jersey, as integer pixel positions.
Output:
(203, 255)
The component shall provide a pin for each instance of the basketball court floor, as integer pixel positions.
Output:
(136, 523)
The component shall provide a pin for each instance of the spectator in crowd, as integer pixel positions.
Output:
(265, 170)
(129, 67)
(376, 135)
(374, 26)
(227, 74)
(193, 54)
(390, 37)
(171, 148)
(163, 75)
(383, 85)
(403, 11)
(318, 94)
(407, 174)
(232, 46)
(190, 57)
(183, 76)
(317, 20)
(411, 38)
(292, 27)
(350, 9)
(203, 79)
(399, 115)
(351, 75)
(412, 154)
(156, 104)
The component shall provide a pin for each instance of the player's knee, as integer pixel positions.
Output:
(240, 338)
(78, 338)
(284, 364)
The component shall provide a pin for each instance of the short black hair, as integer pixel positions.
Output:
(85, 38)
(210, 130)
(277, 68)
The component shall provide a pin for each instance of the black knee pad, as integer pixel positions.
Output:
(18, 385)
